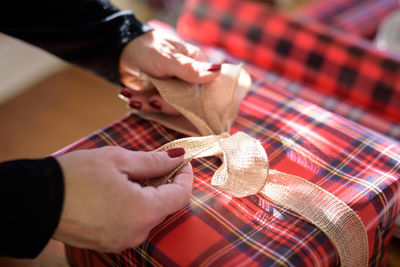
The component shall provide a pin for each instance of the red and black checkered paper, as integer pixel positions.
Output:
(358, 17)
(332, 62)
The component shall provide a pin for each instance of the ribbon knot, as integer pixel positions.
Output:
(208, 115)
(244, 169)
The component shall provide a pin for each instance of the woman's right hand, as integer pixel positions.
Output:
(105, 209)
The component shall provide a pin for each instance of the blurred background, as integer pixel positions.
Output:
(46, 104)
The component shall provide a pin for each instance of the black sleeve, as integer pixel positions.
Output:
(31, 199)
(89, 33)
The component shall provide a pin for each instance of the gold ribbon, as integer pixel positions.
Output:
(209, 112)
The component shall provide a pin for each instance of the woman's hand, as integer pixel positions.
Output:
(105, 209)
(162, 55)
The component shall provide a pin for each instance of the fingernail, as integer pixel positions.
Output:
(215, 67)
(125, 93)
(176, 152)
(155, 104)
(135, 104)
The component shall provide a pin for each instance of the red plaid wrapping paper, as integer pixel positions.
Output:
(332, 62)
(217, 229)
(362, 18)
(295, 89)
(326, 10)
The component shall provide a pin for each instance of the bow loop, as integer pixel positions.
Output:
(243, 156)
(244, 168)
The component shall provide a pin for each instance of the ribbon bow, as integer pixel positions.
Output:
(208, 113)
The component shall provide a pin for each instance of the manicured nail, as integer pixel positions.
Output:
(155, 104)
(176, 152)
(215, 67)
(125, 93)
(135, 105)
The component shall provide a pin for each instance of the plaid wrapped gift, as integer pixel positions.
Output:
(326, 10)
(361, 18)
(296, 89)
(300, 138)
(332, 62)
(333, 104)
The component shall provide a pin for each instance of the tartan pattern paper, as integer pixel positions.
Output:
(332, 62)
(361, 18)
(326, 10)
(217, 229)
(296, 89)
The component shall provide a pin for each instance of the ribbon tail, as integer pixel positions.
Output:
(195, 147)
(330, 214)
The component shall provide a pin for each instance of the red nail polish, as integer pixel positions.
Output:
(155, 104)
(125, 93)
(215, 67)
(135, 105)
(176, 152)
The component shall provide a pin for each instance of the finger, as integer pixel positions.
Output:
(157, 103)
(146, 165)
(196, 53)
(126, 94)
(191, 70)
(175, 195)
(138, 102)
(147, 103)
(134, 98)
(152, 104)
(189, 50)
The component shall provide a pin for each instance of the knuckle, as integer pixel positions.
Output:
(117, 154)
(153, 161)
(180, 58)
(110, 150)
(194, 50)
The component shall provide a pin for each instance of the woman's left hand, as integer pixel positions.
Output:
(162, 55)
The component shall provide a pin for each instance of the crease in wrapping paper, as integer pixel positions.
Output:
(207, 115)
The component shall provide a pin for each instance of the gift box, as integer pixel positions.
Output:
(334, 63)
(358, 17)
(355, 164)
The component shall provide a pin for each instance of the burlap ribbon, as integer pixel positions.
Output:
(208, 112)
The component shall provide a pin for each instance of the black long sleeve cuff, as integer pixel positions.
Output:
(89, 33)
(31, 199)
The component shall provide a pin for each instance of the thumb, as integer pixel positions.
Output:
(145, 165)
(173, 196)
(191, 70)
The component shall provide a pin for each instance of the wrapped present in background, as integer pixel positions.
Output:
(326, 10)
(334, 63)
(358, 17)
